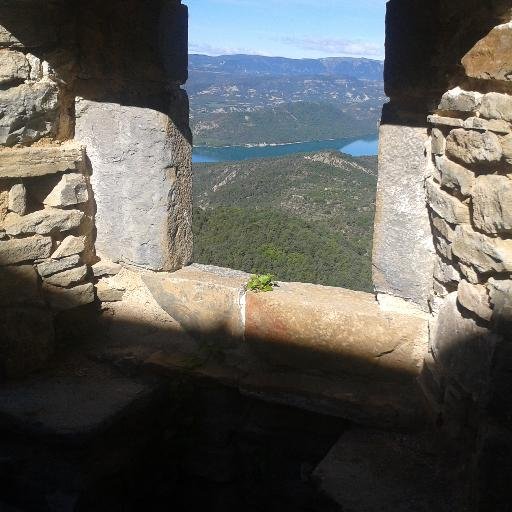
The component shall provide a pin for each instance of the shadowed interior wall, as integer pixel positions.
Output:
(444, 211)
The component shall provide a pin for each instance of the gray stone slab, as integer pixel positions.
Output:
(374, 471)
(135, 184)
(76, 400)
(402, 251)
(24, 249)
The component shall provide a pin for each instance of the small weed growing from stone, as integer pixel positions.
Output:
(261, 283)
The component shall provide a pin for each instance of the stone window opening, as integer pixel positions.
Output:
(95, 227)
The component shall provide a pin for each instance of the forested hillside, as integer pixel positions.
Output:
(307, 217)
(290, 122)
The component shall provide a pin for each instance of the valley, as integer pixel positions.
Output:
(305, 217)
(236, 98)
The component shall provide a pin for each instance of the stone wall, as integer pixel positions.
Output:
(469, 198)
(46, 207)
(443, 237)
(425, 41)
(94, 159)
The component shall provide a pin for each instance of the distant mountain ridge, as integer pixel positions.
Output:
(346, 67)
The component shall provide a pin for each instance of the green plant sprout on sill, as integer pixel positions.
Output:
(261, 283)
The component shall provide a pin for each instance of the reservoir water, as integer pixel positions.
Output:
(353, 147)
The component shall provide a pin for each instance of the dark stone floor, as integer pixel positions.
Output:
(96, 433)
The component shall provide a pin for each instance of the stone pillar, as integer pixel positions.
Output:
(133, 117)
(402, 236)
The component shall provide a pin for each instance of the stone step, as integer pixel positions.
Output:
(72, 402)
(68, 430)
(375, 471)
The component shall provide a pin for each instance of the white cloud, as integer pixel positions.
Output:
(208, 49)
(335, 46)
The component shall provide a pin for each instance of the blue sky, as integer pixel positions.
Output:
(288, 28)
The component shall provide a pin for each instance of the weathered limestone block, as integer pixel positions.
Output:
(500, 292)
(107, 292)
(43, 222)
(484, 253)
(463, 348)
(14, 66)
(445, 121)
(492, 204)
(455, 176)
(24, 249)
(19, 285)
(469, 273)
(400, 460)
(67, 277)
(28, 112)
(460, 100)
(447, 206)
(506, 144)
(493, 125)
(18, 199)
(445, 229)
(49, 267)
(141, 183)
(496, 105)
(36, 67)
(491, 57)
(474, 298)
(39, 160)
(70, 246)
(68, 298)
(27, 340)
(206, 300)
(472, 147)
(445, 273)
(327, 329)
(4, 203)
(105, 267)
(71, 190)
(402, 228)
(443, 247)
(438, 142)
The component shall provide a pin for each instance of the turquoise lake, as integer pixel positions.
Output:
(354, 147)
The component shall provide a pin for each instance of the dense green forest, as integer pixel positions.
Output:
(306, 217)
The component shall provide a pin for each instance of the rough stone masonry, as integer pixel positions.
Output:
(94, 159)
(95, 163)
